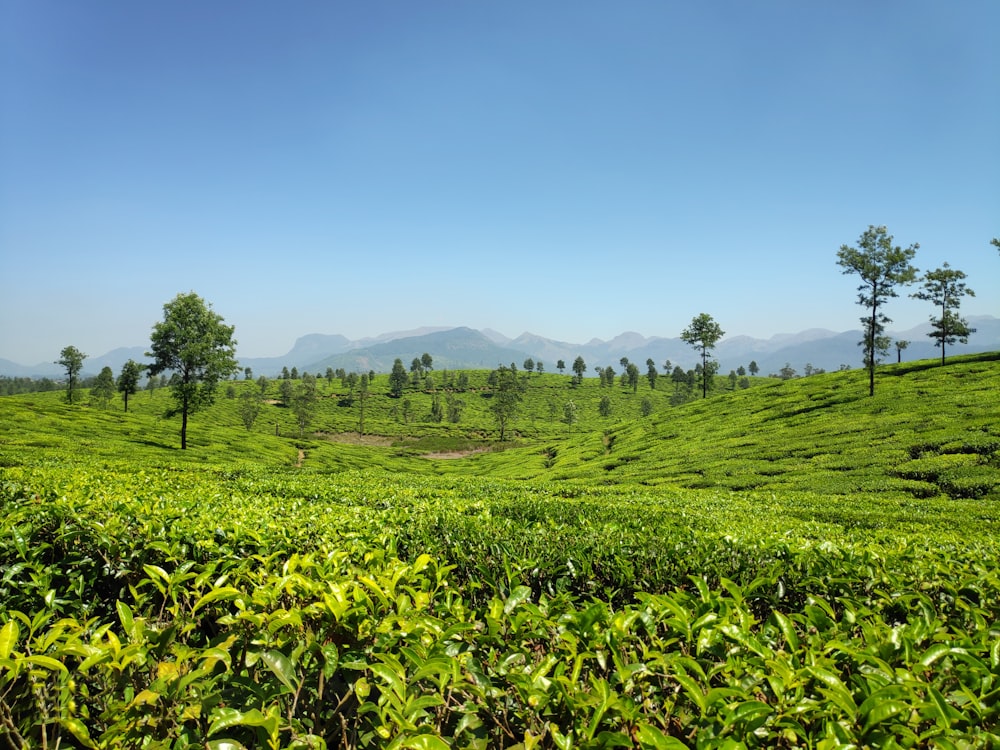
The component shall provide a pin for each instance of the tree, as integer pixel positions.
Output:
(128, 380)
(397, 378)
(104, 387)
(304, 402)
(624, 363)
(330, 375)
(646, 407)
(294, 373)
(362, 397)
(417, 367)
(529, 364)
(632, 376)
(506, 398)
(427, 361)
(703, 333)
(787, 372)
(192, 342)
(287, 390)
(881, 266)
(569, 413)
(251, 403)
(539, 367)
(247, 373)
(285, 375)
(72, 359)
(651, 373)
(945, 287)
(560, 365)
(753, 367)
(604, 408)
(900, 345)
(579, 367)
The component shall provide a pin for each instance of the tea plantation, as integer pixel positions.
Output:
(790, 565)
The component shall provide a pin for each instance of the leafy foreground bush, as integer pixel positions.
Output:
(224, 611)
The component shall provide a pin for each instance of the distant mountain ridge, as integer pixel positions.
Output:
(466, 348)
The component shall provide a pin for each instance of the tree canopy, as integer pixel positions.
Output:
(193, 343)
(881, 266)
(703, 334)
(72, 359)
(944, 287)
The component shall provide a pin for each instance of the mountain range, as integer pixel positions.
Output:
(467, 348)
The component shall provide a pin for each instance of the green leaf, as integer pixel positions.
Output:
(650, 737)
(517, 597)
(225, 718)
(425, 742)
(226, 592)
(47, 662)
(281, 666)
(79, 731)
(225, 745)
(8, 637)
(125, 616)
(884, 711)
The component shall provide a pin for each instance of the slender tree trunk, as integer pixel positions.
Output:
(184, 427)
(944, 333)
(871, 346)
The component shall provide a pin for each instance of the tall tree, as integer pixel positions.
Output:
(901, 344)
(651, 373)
(304, 402)
(882, 267)
(507, 394)
(632, 376)
(251, 403)
(703, 334)
(560, 365)
(128, 380)
(427, 361)
(397, 378)
(944, 287)
(104, 387)
(72, 359)
(579, 367)
(192, 342)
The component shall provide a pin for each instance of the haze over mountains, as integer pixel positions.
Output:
(467, 348)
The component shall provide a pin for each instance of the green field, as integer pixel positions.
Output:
(793, 564)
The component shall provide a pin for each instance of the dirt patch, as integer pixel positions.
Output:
(354, 438)
(449, 455)
(302, 457)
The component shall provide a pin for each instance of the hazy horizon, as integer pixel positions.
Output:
(576, 170)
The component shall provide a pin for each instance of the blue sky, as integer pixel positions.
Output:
(574, 169)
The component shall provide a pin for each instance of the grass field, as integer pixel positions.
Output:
(790, 565)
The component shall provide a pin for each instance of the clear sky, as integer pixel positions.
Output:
(571, 168)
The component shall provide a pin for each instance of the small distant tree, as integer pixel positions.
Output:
(667, 367)
(462, 382)
(397, 379)
(529, 364)
(744, 382)
(732, 380)
(741, 371)
(787, 372)
(455, 407)
(330, 375)
(295, 373)
(287, 391)
(754, 368)
(624, 363)
(579, 368)
(539, 367)
(104, 387)
(506, 399)
(703, 334)
(604, 408)
(128, 380)
(901, 344)
(646, 407)
(417, 367)
(632, 376)
(285, 374)
(560, 365)
(362, 397)
(250, 405)
(569, 414)
(945, 287)
(304, 402)
(882, 267)
(651, 373)
(437, 411)
(247, 373)
(427, 361)
(71, 358)
(193, 343)
(262, 383)
(407, 409)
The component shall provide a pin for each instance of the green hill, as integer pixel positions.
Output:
(929, 430)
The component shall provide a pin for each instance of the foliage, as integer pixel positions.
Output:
(944, 288)
(881, 267)
(193, 343)
(397, 379)
(128, 380)
(703, 334)
(72, 359)
(506, 399)
(103, 389)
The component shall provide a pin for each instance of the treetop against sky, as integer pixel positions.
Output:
(571, 169)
